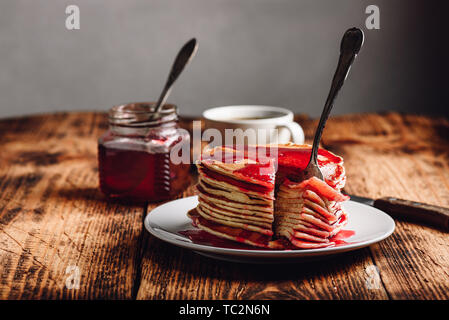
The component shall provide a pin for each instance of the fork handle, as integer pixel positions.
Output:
(416, 211)
(350, 46)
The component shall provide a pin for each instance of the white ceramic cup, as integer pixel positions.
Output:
(275, 121)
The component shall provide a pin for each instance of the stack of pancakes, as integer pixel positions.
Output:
(236, 201)
(309, 213)
(246, 200)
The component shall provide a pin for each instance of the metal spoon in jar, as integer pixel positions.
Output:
(350, 46)
(184, 56)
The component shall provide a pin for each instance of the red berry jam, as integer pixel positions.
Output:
(134, 154)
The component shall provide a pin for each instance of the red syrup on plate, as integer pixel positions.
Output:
(339, 238)
(202, 237)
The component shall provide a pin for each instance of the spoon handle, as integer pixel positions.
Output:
(350, 45)
(182, 59)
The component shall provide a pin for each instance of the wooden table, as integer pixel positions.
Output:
(55, 224)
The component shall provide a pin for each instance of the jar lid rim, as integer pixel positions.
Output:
(142, 114)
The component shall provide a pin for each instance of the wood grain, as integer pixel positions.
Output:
(52, 216)
(404, 156)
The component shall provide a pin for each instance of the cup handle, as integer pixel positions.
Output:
(296, 131)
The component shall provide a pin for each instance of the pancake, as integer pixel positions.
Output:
(247, 188)
(236, 212)
(244, 199)
(235, 199)
(227, 222)
(227, 215)
(314, 218)
(247, 171)
(235, 234)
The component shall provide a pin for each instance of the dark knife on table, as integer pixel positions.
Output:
(409, 210)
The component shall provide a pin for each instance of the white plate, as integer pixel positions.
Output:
(369, 224)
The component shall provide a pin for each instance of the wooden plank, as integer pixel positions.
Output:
(405, 156)
(53, 217)
(173, 273)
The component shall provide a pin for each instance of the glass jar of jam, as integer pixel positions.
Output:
(134, 154)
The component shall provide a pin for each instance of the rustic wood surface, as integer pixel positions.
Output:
(53, 218)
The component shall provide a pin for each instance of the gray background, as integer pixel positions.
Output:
(271, 52)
